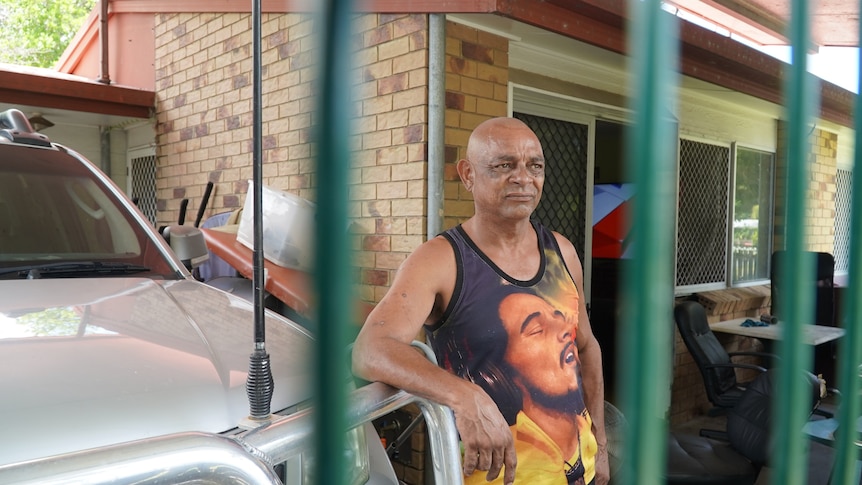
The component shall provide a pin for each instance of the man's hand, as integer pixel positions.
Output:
(603, 468)
(488, 443)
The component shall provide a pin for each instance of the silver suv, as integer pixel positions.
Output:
(107, 344)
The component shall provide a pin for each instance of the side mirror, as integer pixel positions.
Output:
(188, 243)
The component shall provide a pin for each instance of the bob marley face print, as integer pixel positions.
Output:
(541, 352)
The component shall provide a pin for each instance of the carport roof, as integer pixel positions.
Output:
(27, 86)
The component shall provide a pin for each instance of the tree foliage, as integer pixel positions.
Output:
(53, 322)
(36, 32)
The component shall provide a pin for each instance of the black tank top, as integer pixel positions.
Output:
(471, 339)
(513, 337)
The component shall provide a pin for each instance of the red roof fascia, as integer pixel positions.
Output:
(93, 97)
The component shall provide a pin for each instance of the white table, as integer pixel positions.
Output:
(811, 334)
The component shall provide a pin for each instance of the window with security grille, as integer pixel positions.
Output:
(563, 204)
(143, 181)
(841, 251)
(704, 173)
(752, 215)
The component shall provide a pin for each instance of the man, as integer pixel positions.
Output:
(445, 287)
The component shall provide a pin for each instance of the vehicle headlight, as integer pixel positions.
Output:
(355, 456)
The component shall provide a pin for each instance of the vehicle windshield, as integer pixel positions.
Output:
(54, 211)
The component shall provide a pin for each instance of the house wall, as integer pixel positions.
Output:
(87, 140)
(477, 77)
(204, 116)
(388, 178)
(130, 56)
(823, 161)
(204, 82)
(204, 111)
(82, 138)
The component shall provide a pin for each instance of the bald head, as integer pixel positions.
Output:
(484, 141)
(504, 170)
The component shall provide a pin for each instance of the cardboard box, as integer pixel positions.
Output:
(288, 228)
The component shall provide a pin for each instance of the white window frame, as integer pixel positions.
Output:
(732, 147)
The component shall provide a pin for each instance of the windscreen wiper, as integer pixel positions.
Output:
(71, 270)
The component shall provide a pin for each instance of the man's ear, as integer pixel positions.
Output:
(465, 171)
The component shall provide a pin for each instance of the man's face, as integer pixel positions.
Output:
(509, 173)
(541, 345)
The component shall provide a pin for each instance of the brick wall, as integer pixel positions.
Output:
(477, 79)
(389, 175)
(204, 85)
(388, 179)
(822, 191)
(204, 111)
(820, 212)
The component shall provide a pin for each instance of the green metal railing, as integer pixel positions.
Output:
(646, 370)
(332, 264)
(789, 455)
(648, 283)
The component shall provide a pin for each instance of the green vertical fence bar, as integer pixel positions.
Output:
(850, 347)
(332, 261)
(790, 454)
(648, 291)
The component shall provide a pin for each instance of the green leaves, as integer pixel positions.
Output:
(36, 32)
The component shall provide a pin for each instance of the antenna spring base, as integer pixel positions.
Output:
(260, 384)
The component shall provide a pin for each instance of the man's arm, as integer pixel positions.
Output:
(590, 354)
(383, 352)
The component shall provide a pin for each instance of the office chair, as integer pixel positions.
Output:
(738, 459)
(714, 362)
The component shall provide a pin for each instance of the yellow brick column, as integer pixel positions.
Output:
(821, 193)
(477, 76)
(388, 183)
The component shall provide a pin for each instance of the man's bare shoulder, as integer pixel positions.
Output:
(566, 246)
(433, 257)
(424, 280)
(570, 254)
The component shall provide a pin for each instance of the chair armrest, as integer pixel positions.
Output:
(740, 366)
(765, 355)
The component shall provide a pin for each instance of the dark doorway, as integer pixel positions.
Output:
(610, 244)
